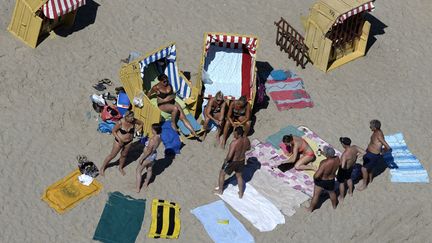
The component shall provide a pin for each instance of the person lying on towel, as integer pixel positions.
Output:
(215, 112)
(239, 114)
(166, 102)
(324, 178)
(235, 161)
(298, 152)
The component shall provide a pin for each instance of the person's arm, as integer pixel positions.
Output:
(114, 131)
(152, 91)
(230, 154)
(248, 114)
(208, 110)
(294, 153)
(230, 111)
(383, 141)
(223, 111)
(319, 172)
(360, 151)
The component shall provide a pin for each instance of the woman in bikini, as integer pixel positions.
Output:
(123, 133)
(215, 111)
(239, 114)
(148, 157)
(166, 102)
(298, 151)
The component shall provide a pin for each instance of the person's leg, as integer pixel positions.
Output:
(341, 191)
(333, 199)
(303, 163)
(350, 187)
(365, 176)
(139, 171)
(221, 180)
(186, 122)
(206, 128)
(247, 128)
(227, 127)
(114, 151)
(371, 177)
(240, 184)
(170, 108)
(149, 175)
(315, 198)
(122, 159)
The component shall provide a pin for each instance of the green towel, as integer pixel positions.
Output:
(121, 219)
(276, 138)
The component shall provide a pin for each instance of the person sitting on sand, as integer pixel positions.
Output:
(148, 157)
(235, 161)
(374, 153)
(166, 102)
(239, 114)
(348, 159)
(215, 112)
(123, 133)
(324, 178)
(298, 152)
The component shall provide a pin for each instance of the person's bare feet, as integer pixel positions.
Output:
(309, 209)
(341, 199)
(240, 195)
(122, 171)
(102, 171)
(362, 187)
(217, 191)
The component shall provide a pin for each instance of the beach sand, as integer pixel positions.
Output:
(47, 118)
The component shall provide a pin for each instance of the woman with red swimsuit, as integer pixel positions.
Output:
(298, 151)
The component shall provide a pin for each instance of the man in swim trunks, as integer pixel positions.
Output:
(348, 159)
(148, 157)
(324, 178)
(235, 161)
(374, 153)
(298, 152)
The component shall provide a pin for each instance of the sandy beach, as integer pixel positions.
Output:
(47, 118)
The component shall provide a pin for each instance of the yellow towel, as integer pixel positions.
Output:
(319, 158)
(165, 220)
(67, 192)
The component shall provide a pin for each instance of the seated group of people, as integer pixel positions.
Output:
(301, 154)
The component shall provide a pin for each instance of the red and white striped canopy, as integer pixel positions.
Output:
(55, 8)
(365, 7)
(232, 41)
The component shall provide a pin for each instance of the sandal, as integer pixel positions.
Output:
(105, 81)
(99, 87)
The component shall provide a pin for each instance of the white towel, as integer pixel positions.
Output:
(262, 213)
(284, 197)
(85, 179)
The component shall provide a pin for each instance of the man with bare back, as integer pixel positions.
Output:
(324, 178)
(235, 160)
(348, 159)
(374, 153)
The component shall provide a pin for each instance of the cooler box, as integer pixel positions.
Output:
(123, 103)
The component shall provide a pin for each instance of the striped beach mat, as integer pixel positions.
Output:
(289, 93)
(165, 219)
(404, 166)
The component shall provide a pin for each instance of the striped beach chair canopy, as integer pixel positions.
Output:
(53, 9)
(176, 80)
(364, 7)
(232, 41)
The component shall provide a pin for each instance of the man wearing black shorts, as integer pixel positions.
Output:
(348, 159)
(235, 161)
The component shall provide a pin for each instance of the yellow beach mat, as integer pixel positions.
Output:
(319, 158)
(165, 219)
(67, 192)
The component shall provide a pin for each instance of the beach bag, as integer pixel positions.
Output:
(87, 167)
(110, 113)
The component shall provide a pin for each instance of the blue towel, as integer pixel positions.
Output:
(276, 138)
(278, 75)
(105, 126)
(170, 138)
(234, 231)
(194, 123)
(404, 166)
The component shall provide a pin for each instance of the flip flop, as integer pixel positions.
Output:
(105, 81)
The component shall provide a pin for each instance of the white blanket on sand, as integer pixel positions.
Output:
(262, 213)
(284, 197)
